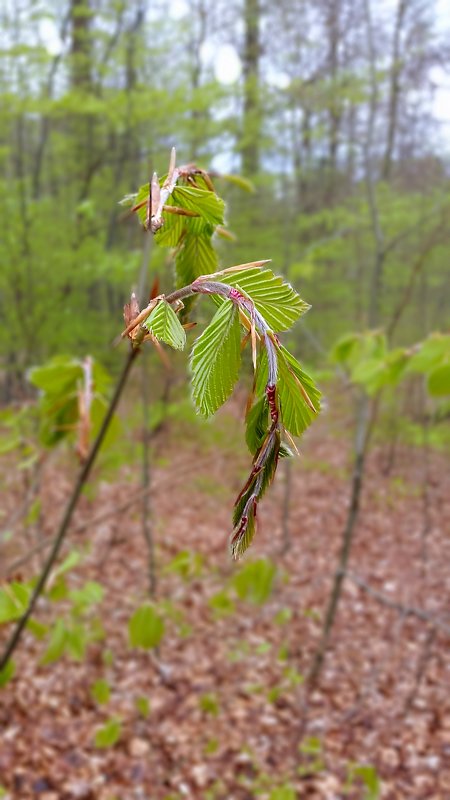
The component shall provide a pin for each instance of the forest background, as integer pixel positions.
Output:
(325, 126)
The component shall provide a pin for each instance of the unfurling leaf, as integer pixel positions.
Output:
(257, 423)
(276, 300)
(215, 360)
(243, 532)
(164, 324)
(261, 476)
(298, 394)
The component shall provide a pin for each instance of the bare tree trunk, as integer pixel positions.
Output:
(199, 13)
(394, 90)
(81, 50)
(334, 111)
(366, 411)
(361, 441)
(130, 142)
(252, 112)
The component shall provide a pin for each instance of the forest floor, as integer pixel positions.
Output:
(228, 717)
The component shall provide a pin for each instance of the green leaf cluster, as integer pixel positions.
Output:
(59, 382)
(373, 366)
(191, 235)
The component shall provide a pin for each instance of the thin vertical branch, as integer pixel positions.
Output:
(147, 530)
(366, 410)
(287, 541)
(361, 441)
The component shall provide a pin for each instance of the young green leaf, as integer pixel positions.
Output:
(205, 203)
(294, 387)
(145, 628)
(195, 256)
(164, 324)
(344, 347)
(57, 643)
(108, 734)
(254, 581)
(100, 691)
(430, 353)
(215, 360)
(244, 532)
(257, 424)
(439, 381)
(13, 601)
(6, 674)
(276, 300)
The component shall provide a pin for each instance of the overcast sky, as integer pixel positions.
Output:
(225, 62)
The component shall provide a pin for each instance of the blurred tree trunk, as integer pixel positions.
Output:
(335, 106)
(250, 149)
(394, 90)
(81, 46)
(200, 18)
(128, 156)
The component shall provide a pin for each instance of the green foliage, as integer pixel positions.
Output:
(276, 300)
(191, 235)
(439, 381)
(428, 355)
(254, 581)
(283, 616)
(145, 628)
(367, 775)
(284, 792)
(294, 386)
(195, 256)
(109, 734)
(142, 705)
(89, 595)
(100, 691)
(207, 204)
(13, 601)
(256, 424)
(67, 638)
(312, 752)
(60, 382)
(7, 673)
(209, 704)
(187, 564)
(374, 367)
(221, 604)
(215, 360)
(164, 324)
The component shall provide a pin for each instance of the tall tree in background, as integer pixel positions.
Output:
(251, 122)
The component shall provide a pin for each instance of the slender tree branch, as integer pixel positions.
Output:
(131, 500)
(67, 517)
(147, 528)
(407, 611)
